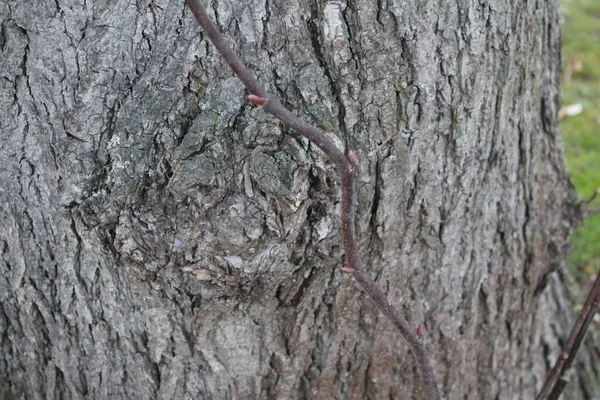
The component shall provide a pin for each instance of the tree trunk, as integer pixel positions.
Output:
(162, 239)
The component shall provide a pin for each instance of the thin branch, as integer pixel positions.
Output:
(346, 167)
(591, 213)
(592, 197)
(586, 203)
(556, 380)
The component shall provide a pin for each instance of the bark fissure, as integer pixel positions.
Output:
(317, 45)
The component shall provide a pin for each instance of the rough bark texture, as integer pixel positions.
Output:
(160, 238)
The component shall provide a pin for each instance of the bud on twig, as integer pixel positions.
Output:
(257, 100)
(348, 270)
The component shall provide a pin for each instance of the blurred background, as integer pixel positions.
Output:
(580, 126)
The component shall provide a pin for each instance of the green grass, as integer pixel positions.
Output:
(581, 133)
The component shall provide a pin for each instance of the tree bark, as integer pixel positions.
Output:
(160, 238)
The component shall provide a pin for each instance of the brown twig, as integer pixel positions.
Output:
(346, 167)
(556, 381)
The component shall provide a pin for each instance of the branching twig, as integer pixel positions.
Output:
(590, 212)
(346, 166)
(556, 381)
(582, 209)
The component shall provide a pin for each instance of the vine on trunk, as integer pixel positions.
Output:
(346, 166)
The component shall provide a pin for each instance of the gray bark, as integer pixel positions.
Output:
(162, 239)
